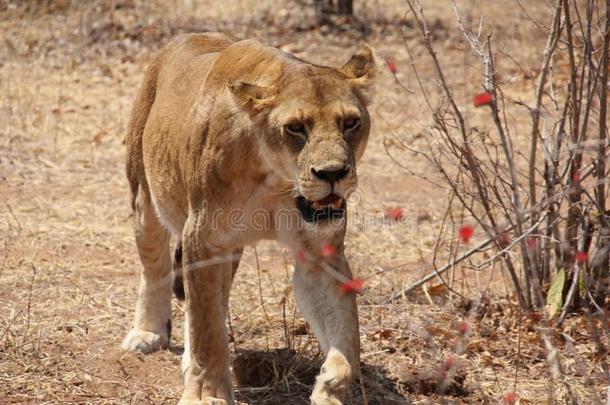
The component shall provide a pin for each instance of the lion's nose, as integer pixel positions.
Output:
(331, 176)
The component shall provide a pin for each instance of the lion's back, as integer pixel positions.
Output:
(167, 81)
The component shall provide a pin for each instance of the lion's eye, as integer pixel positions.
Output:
(297, 129)
(350, 124)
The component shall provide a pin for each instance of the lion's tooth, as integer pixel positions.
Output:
(335, 204)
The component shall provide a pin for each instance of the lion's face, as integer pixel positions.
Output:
(321, 135)
(316, 129)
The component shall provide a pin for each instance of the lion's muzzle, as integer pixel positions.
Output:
(332, 176)
(330, 207)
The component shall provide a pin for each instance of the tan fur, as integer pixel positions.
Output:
(208, 152)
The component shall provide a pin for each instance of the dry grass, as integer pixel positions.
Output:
(68, 266)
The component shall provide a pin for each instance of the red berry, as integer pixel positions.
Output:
(466, 232)
(510, 398)
(462, 328)
(352, 286)
(329, 250)
(391, 64)
(449, 363)
(301, 255)
(482, 99)
(581, 257)
(531, 244)
(395, 213)
(576, 177)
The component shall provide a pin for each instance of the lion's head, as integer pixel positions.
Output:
(313, 126)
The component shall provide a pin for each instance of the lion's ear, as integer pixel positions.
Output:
(252, 97)
(361, 70)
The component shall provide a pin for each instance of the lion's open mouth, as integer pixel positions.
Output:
(331, 206)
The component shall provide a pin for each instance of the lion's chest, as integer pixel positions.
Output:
(248, 212)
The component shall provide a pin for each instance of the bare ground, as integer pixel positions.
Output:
(69, 269)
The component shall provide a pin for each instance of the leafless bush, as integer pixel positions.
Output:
(539, 196)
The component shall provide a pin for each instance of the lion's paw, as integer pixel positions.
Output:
(333, 381)
(144, 342)
(322, 396)
(324, 399)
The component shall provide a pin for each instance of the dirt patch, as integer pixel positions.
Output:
(69, 269)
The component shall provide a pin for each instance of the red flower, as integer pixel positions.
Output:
(301, 255)
(352, 286)
(510, 398)
(395, 213)
(466, 232)
(391, 65)
(448, 364)
(531, 244)
(462, 328)
(576, 177)
(581, 257)
(329, 250)
(482, 99)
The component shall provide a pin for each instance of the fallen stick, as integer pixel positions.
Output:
(438, 272)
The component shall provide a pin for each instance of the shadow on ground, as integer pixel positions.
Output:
(284, 376)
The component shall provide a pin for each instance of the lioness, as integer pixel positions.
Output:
(231, 141)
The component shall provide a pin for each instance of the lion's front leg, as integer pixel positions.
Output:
(152, 324)
(208, 276)
(333, 316)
